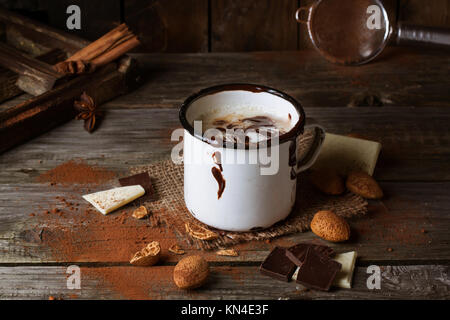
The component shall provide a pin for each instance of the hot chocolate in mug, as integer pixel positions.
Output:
(251, 185)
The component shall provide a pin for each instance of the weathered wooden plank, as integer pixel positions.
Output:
(35, 76)
(397, 282)
(411, 224)
(36, 38)
(431, 13)
(8, 88)
(415, 143)
(400, 77)
(252, 25)
(169, 26)
(46, 111)
(97, 18)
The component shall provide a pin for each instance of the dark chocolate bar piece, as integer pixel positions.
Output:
(297, 253)
(278, 266)
(317, 271)
(142, 179)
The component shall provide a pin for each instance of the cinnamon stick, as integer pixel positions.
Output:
(115, 52)
(109, 47)
(102, 44)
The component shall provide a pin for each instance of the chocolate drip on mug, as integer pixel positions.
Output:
(220, 180)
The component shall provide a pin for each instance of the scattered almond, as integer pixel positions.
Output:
(140, 213)
(147, 256)
(364, 185)
(329, 226)
(191, 272)
(227, 252)
(200, 233)
(176, 249)
(328, 181)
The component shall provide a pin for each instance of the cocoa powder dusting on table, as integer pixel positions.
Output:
(134, 282)
(70, 229)
(393, 228)
(76, 172)
(86, 235)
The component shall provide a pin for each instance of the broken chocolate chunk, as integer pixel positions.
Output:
(278, 266)
(317, 271)
(142, 179)
(297, 253)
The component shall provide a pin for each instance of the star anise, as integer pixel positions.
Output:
(87, 111)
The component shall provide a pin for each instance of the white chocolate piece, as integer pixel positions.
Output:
(345, 154)
(110, 200)
(344, 277)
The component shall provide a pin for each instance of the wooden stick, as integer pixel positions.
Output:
(36, 77)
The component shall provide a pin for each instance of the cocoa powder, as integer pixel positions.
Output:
(401, 228)
(70, 230)
(76, 172)
(86, 235)
(134, 282)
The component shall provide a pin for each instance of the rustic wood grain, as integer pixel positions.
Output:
(434, 13)
(400, 77)
(253, 25)
(35, 76)
(97, 17)
(8, 88)
(169, 26)
(397, 282)
(415, 144)
(414, 149)
(36, 38)
(413, 221)
(40, 114)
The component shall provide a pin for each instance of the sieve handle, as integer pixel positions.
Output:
(418, 35)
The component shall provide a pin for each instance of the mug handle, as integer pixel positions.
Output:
(311, 156)
(299, 11)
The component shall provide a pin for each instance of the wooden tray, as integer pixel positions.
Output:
(40, 47)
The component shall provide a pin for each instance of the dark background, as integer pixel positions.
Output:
(209, 25)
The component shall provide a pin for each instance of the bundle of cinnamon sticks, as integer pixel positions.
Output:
(109, 47)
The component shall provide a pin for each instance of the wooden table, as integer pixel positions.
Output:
(401, 100)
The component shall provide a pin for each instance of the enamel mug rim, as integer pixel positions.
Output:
(291, 134)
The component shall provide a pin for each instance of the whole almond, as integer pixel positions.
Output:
(364, 185)
(329, 226)
(328, 181)
(147, 256)
(191, 272)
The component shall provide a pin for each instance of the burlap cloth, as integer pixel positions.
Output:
(170, 209)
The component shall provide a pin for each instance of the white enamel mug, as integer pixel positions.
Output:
(249, 195)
